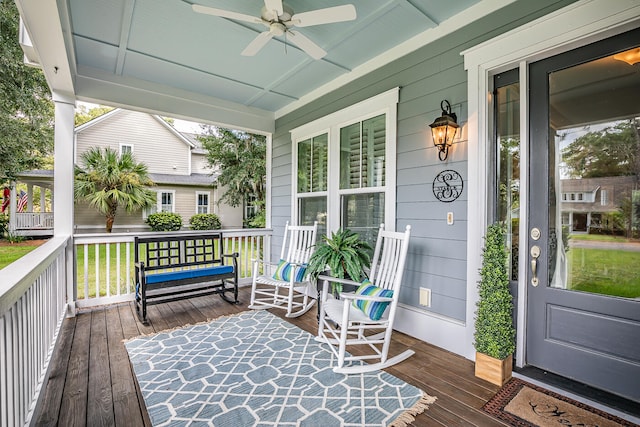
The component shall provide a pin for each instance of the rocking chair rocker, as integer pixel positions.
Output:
(283, 284)
(355, 318)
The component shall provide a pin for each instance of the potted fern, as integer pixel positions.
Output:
(345, 254)
(494, 337)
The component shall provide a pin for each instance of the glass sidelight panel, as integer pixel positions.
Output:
(507, 129)
(594, 170)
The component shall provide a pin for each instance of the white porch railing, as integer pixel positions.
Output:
(105, 262)
(34, 220)
(32, 307)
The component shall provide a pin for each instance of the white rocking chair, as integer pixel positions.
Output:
(342, 324)
(283, 284)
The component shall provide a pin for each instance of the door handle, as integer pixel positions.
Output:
(535, 254)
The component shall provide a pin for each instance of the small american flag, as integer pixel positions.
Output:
(22, 202)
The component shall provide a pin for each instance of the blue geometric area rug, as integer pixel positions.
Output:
(254, 369)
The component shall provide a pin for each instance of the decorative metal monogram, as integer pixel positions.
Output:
(447, 186)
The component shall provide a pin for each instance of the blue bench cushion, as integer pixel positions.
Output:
(171, 276)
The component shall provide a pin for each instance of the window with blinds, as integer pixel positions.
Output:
(312, 164)
(362, 154)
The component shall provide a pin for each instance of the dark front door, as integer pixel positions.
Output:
(583, 290)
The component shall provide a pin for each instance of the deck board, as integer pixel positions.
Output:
(92, 382)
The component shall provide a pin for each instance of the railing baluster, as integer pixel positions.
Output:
(86, 271)
(96, 247)
(107, 278)
(117, 268)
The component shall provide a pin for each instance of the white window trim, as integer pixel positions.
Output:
(573, 26)
(159, 192)
(208, 194)
(124, 144)
(384, 103)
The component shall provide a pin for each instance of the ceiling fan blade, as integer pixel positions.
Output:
(257, 44)
(274, 5)
(312, 49)
(225, 14)
(329, 15)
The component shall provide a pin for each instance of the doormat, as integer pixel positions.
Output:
(257, 369)
(525, 405)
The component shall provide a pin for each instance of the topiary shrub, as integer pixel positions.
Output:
(164, 221)
(208, 221)
(494, 334)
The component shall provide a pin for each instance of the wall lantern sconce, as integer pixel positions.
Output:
(444, 129)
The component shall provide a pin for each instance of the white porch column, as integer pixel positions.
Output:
(63, 187)
(43, 190)
(13, 207)
(29, 197)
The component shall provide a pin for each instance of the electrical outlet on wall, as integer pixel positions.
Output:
(425, 297)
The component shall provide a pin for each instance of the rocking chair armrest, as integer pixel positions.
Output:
(352, 296)
(338, 280)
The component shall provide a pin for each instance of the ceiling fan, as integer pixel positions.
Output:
(280, 19)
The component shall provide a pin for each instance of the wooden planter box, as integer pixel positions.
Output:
(495, 371)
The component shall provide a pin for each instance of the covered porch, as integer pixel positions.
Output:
(160, 57)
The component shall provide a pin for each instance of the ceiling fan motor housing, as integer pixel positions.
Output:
(271, 16)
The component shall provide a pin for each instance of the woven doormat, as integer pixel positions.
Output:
(526, 405)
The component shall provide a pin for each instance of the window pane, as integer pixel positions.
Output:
(304, 166)
(350, 156)
(362, 154)
(593, 147)
(312, 164)
(363, 214)
(167, 202)
(508, 167)
(312, 209)
(319, 162)
(373, 136)
(203, 203)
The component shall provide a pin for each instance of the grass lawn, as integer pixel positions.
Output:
(9, 252)
(600, 238)
(605, 271)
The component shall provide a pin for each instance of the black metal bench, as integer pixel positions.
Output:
(175, 267)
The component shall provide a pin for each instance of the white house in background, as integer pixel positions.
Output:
(176, 162)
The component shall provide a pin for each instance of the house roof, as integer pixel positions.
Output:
(203, 179)
(193, 179)
(164, 57)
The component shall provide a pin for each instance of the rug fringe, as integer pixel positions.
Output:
(186, 325)
(409, 416)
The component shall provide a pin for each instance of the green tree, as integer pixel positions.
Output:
(84, 114)
(613, 151)
(240, 158)
(110, 180)
(26, 109)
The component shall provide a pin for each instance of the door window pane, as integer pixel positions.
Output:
(594, 118)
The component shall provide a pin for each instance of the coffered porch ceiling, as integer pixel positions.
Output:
(161, 56)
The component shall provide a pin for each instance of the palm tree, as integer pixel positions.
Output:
(110, 180)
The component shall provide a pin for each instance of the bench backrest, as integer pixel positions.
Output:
(162, 252)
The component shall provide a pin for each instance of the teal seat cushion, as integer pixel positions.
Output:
(171, 276)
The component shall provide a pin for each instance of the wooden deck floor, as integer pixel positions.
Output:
(91, 382)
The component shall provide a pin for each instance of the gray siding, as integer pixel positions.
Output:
(437, 254)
